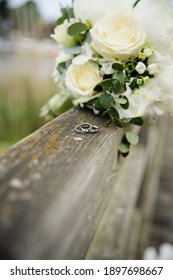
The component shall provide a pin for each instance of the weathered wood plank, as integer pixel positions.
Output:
(112, 234)
(123, 230)
(55, 185)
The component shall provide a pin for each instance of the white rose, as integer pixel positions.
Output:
(61, 36)
(81, 80)
(118, 37)
(156, 18)
(93, 10)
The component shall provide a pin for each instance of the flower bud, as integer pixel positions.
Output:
(140, 68)
(153, 69)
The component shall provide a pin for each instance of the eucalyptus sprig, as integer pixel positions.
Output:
(129, 139)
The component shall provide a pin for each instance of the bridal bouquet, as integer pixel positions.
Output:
(115, 58)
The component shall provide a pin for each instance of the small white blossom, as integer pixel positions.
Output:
(153, 69)
(140, 67)
(148, 52)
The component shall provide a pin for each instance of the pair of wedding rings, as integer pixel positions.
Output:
(86, 128)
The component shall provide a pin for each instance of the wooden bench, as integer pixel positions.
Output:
(65, 195)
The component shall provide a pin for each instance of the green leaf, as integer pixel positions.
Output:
(117, 87)
(118, 66)
(106, 100)
(106, 82)
(124, 148)
(125, 154)
(67, 13)
(98, 105)
(138, 121)
(126, 104)
(121, 101)
(132, 138)
(63, 66)
(127, 120)
(60, 20)
(77, 28)
(109, 122)
(133, 85)
(113, 113)
(98, 88)
(118, 122)
(70, 12)
(121, 77)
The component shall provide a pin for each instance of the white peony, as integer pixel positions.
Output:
(118, 37)
(156, 18)
(93, 10)
(81, 80)
(61, 36)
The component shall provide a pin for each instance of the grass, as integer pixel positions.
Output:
(21, 96)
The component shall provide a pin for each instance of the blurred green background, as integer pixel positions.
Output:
(26, 64)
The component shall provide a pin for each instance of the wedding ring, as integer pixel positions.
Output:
(86, 128)
(94, 129)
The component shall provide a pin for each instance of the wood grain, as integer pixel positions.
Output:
(54, 187)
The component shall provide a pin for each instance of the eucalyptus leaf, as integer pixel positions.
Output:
(132, 138)
(70, 12)
(127, 120)
(109, 122)
(98, 88)
(118, 122)
(77, 28)
(133, 85)
(126, 104)
(107, 82)
(121, 76)
(117, 87)
(121, 101)
(118, 66)
(67, 13)
(138, 121)
(113, 113)
(98, 105)
(125, 154)
(63, 66)
(124, 148)
(60, 20)
(106, 100)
